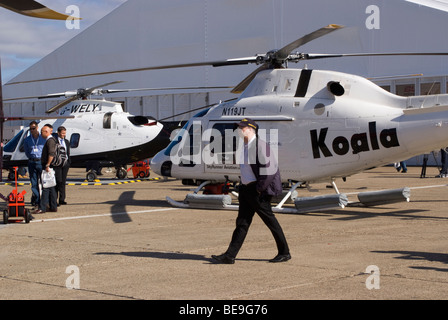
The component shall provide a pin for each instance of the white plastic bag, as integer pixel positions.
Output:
(48, 178)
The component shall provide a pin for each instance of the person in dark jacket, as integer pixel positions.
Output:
(48, 153)
(260, 180)
(61, 171)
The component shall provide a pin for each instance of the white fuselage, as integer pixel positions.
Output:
(319, 135)
(98, 130)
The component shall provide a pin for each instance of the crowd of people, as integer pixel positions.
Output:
(443, 171)
(47, 152)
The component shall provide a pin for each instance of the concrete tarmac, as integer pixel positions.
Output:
(125, 242)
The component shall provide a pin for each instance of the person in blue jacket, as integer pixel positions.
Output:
(260, 181)
(33, 145)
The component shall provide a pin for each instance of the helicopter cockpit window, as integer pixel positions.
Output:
(179, 136)
(12, 144)
(74, 140)
(22, 143)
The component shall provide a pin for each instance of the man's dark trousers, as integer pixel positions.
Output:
(61, 179)
(35, 172)
(250, 202)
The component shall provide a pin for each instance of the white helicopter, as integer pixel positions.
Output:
(101, 134)
(324, 125)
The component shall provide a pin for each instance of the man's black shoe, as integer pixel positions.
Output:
(224, 258)
(281, 258)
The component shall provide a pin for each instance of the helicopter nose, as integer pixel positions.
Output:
(161, 165)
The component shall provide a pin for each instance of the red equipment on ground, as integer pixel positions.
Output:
(16, 210)
(140, 169)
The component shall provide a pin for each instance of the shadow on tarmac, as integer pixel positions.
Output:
(424, 256)
(160, 255)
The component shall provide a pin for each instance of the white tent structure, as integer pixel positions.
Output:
(144, 33)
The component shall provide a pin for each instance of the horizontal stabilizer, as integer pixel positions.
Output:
(415, 111)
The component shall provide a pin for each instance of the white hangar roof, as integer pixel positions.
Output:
(142, 33)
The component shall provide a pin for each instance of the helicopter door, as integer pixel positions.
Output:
(221, 143)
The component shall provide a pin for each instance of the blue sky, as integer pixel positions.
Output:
(25, 40)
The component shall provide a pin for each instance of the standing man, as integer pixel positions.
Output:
(260, 180)
(444, 171)
(62, 171)
(33, 145)
(48, 154)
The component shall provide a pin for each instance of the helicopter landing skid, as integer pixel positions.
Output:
(311, 204)
(224, 201)
(302, 205)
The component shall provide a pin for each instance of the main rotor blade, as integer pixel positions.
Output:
(243, 84)
(196, 109)
(284, 52)
(61, 104)
(65, 94)
(106, 91)
(279, 55)
(48, 96)
(172, 66)
(13, 118)
(313, 56)
(33, 9)
(168, 88)
(90, 90)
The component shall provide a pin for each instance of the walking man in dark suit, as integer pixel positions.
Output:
(260, 180)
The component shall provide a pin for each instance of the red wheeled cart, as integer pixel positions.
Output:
(140, 169)
(16, 206)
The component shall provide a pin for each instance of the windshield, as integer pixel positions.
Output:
(12, 144)
(178, 137)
